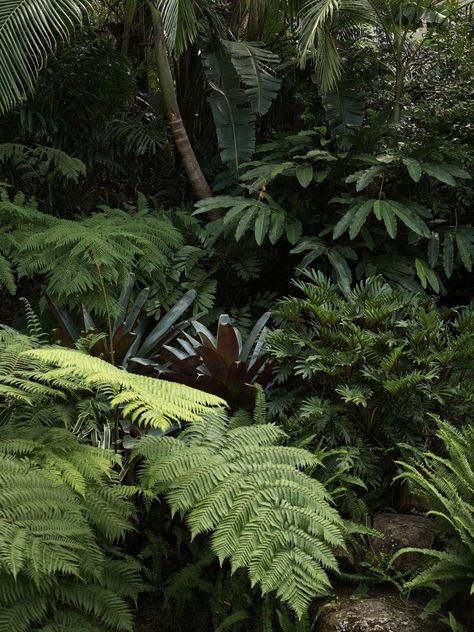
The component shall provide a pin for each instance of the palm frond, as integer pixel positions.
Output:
(29, 31)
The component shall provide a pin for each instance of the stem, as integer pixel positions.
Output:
(108, 313)
(193, 169)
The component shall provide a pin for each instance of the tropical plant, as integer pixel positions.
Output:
(88, 257)
(365, 371)
(264, 512)
(63, 511)
(221, 364)
(325, 25)
(381, 227)
(131, 334)
(29, 31)
(445, 479)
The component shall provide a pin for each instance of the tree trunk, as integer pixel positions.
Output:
(193, 170)
(399, 89)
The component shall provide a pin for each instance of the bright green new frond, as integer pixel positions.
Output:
(264, 512)
(146, 401)
(448, 485)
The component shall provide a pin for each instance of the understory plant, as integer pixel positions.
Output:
(365, 370)
(222, 475)
(63, 513)
(446, 480)
(223, 364)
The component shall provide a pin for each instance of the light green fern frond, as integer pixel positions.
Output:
(447, 482)
(61, 510)
(146, 401)
(264, 512)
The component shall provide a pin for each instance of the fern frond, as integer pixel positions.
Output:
(146, 401)
(264, 512)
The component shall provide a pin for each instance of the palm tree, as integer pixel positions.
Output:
(30, 30)
(325, 23)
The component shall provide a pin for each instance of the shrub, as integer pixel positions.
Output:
(365, 370)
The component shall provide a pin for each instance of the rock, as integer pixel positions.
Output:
(384, 612)
(400, 531)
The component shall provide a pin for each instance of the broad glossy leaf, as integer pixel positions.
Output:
(245, 220)
(439, 172)
(293, 232)
(360, 218)
(343, 272)
(410, 219)
(261, 225)
(344, 223)
(164, 325)
(413, 168)
(229, 345)
(304, 174)
(448, 254)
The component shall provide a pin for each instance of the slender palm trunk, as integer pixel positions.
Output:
(398, 95)
(193, 170)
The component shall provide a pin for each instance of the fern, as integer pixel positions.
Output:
(265, 514)
(85, 256)
(61, 511)
(33, 162)
(146, 401)
(447, 482)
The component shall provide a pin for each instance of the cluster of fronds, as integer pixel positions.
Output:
(447, 483)
(264, 512)
(62, 510)
(86, 257)
(44, 376)
(371, 366)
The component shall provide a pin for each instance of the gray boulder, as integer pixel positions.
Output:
(400, 531)
(384, 612)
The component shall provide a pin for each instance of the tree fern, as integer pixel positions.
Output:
(146, 401)
(29, 31)
(87, 256)
(61, 511)
(265, 514)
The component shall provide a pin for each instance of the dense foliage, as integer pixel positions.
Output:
(236, 260)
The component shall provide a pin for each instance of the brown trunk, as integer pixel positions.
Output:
(193, 169)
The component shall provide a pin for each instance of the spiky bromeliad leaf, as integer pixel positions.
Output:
(264, 512)
(29, 31)
(253, 64)
(146, 401)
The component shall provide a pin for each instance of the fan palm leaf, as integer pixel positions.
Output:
(29, 31)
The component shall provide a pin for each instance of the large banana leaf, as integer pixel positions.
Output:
(233, 115)
(254, 64)
(344, 109)
(29, 31)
